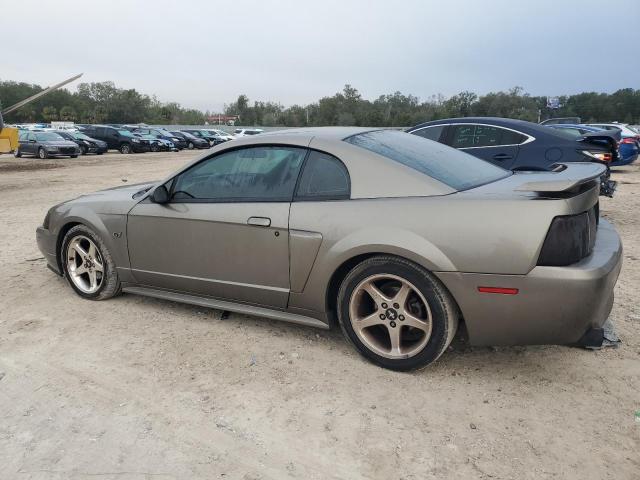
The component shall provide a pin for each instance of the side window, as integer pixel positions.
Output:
(467, 136)
(22, 136)
(324, 178)
(431, 133)
(31, 137)
(261, 174)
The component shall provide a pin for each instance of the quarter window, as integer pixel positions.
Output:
(324, 178)
(467, 136)
(261, 174)
(431, 133)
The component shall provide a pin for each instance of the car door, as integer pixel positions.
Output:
(495, 144)
(30, 146)
(224, 232)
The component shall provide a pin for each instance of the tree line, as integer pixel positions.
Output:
(103, 102)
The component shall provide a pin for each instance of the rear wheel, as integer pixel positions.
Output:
(17, 153)
(125, 148)
(88, 265)
(396, 313)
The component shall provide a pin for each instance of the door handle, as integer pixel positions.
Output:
(259, 221)
(502, 156)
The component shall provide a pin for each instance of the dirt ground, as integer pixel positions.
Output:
(137, 388)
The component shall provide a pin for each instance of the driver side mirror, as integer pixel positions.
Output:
(160, 195)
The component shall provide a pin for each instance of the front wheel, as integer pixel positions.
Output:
(17, 153)
(125, 148)
(396, 313)
(190, 146)
(42, 153)
(88, 265)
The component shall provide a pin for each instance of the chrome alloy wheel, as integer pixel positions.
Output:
(390, 316)
(85, 264)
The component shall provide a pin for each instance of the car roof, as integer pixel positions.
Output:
(328, 133)
(530, 128)
(365, 167)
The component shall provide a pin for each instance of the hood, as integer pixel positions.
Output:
(113, 201)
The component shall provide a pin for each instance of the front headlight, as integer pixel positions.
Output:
(135, 140)
(52, 149)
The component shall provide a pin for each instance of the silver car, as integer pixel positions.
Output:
(394, 237)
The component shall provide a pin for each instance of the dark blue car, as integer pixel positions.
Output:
(628, 146)
(520, 145)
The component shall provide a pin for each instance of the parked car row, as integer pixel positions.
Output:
(43, 141)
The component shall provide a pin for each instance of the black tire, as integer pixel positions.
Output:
(17, 153)
(83, 149)
(100, 153)
(190, 146)
(125, 149)
(74, 156)
(444, 311)
(110, 284)
(42, 153)
(154, 147)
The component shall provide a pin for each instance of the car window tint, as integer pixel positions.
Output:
(323, 177)
(265, 173)
(466, 136)
(431, 133)
(457, 169)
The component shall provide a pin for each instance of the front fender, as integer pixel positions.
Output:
(110, 227)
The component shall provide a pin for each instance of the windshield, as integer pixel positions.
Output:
(188, 135)
(452, 167)
(48, 137)
(125, 133)
(82, 136)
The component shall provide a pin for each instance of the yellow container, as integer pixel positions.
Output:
(8, 140)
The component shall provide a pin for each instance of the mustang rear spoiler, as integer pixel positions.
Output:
(562, 178)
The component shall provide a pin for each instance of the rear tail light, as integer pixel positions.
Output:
(600, 156)
(629, 140)
(570, 239)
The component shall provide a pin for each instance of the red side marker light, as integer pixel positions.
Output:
(501, 290)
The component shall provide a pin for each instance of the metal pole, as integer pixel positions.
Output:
(39, 94)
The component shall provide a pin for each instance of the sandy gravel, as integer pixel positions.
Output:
(136, 388)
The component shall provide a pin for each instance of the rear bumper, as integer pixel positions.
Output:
(554, 305)
(47, 245)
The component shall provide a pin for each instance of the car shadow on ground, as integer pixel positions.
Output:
(459, 357)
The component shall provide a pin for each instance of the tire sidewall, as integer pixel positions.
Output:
(110, 281)
(42, 154)
(423, 281)
(125, 149)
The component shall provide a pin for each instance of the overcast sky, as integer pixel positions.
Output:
(204, 53)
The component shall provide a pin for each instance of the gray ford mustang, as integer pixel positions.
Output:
(394, 236)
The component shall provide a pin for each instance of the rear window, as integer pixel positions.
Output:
(452, 167)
